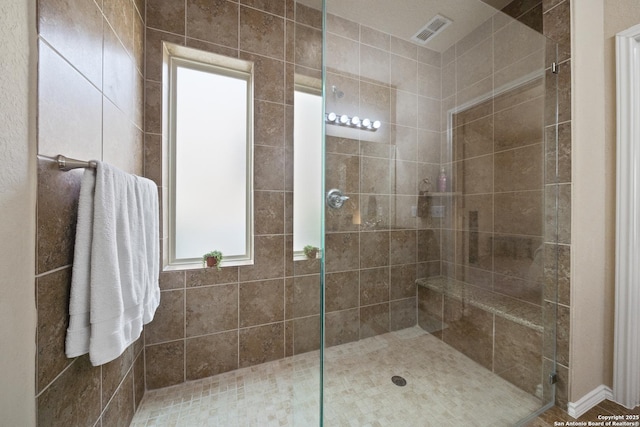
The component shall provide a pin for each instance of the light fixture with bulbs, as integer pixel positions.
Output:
(352, 122)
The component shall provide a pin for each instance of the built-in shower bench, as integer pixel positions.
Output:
(520, 312)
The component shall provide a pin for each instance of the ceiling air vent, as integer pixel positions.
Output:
(434, 27)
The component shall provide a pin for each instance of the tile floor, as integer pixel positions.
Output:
(444, 388)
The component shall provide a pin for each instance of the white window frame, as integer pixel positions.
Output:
(174, 56)
(311, 86)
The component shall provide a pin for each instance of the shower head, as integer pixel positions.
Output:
(337, 92)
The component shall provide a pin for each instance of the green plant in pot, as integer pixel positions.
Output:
(310, 251)
(212, 259)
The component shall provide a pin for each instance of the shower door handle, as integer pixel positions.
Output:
(335, 198)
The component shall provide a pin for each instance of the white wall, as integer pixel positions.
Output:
(17, 213)
(594, 25)
(589, 298)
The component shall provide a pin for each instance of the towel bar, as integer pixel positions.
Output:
(66, 164)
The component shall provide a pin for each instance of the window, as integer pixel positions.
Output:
(307, 170)
(210, 138)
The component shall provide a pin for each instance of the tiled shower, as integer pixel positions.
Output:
(211, 322)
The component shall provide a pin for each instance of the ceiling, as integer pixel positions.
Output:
(403, 18)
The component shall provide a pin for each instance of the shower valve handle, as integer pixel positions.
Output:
(335, 198)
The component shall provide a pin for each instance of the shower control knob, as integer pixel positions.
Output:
(335, 198)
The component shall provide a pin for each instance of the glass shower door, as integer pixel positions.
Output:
(440, 267)
(304, 205)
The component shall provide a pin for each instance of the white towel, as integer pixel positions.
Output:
(114, 285)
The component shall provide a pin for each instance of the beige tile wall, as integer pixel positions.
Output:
(499, 226)
(509, 180)
(271, 309)
(89, 107)
(106, 101)
(557, 27)
(213, 321)
(553, 19)
(375, 247)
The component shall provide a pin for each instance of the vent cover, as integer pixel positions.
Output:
(434, 27)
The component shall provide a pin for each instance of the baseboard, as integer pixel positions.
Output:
(589, 400)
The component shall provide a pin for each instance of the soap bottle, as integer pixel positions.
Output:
(442, 181)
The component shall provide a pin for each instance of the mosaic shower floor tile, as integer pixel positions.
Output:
(443, 388)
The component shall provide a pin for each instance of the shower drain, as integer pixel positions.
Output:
(399, 381)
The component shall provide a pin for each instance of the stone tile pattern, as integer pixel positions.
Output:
(499, 232)
(528, 12)
(554, 16)
(375, 246)
(90, 87)
(556, 25)
(373, 242)
(496, 184)
(358, 390)
(104, 66)
(210, 321)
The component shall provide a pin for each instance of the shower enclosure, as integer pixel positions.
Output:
(414, 144)
(450, 221)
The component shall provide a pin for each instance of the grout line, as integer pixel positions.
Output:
(236, 381)
(44, 389)
(184, 330)
(55, 270)
(238, 322)
(550, 9)
(66, 61)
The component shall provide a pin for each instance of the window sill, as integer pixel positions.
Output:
(199, 265)
(300, 256)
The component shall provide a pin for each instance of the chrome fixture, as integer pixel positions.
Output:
(335, 198)
(67, 164)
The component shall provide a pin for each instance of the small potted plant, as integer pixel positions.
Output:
(212, 259)
(310, 251)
